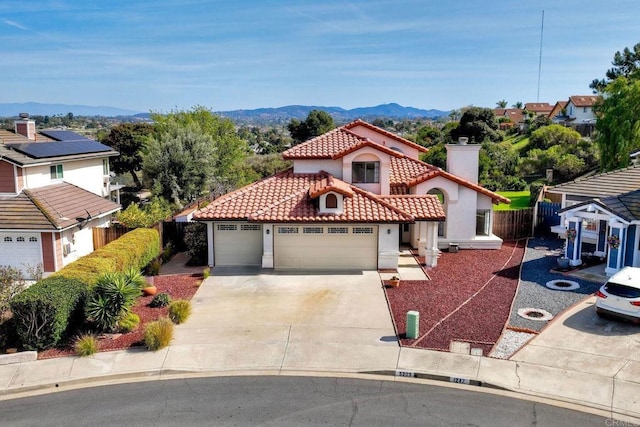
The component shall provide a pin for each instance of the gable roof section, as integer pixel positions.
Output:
(426, 207)
(285, 198)
(625, 206)
(328, 184)
(411, 172)
(53, 207)
(386, 133)
(538, 107)
(602, 185)
(583, 100)
(557, 109)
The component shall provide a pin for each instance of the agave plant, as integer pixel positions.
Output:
(112, 298)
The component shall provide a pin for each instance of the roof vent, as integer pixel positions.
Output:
(463, 140)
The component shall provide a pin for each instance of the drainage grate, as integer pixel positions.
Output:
(563, 285)
(535, 314)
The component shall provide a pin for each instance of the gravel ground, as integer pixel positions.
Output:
(509, 343)
(540, 257)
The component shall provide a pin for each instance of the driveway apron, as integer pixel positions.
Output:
(245, 318)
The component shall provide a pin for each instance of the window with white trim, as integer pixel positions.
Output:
(250, 227)
(288, 230)
(362, 230)
(227, 227)
(312, 230)
(56, 172)
(338, 230)
(482, 222)
(365, 172)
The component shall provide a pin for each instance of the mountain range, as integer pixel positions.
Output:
(259, 115)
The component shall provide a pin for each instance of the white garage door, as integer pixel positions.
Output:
(335, 247)
(237, 243)
(20, 250)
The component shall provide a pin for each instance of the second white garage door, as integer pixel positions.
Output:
(237, 243)
(335, 247)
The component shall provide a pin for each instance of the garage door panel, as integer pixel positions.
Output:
(237, 244)
(20, 250)
(327, 247)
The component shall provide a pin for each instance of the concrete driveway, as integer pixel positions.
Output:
(248, 319)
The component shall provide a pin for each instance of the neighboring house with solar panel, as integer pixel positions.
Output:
(54, 189)
(353, 196)
(598, 211)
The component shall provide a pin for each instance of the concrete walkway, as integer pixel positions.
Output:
(291, 339)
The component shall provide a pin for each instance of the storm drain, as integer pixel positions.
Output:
(535, 314)
(562, 285)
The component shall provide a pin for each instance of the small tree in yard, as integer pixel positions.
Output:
(11, 281)
(195, 238)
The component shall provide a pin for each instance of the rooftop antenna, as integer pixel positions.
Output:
(540, 59)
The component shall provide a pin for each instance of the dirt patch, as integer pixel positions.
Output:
(178, 286)
(468, 298)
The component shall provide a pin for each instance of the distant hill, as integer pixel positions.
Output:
(285, 114)
(38, 109)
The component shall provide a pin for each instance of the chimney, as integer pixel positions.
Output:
(463, 159)
(25, 126)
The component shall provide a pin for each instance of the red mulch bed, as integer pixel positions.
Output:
(179, 286)
(450, 309)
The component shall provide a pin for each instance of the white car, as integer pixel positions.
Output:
(620, 295)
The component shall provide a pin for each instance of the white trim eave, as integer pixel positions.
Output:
(583, 212)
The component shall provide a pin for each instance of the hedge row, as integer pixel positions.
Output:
(43, 311)
(135, 249)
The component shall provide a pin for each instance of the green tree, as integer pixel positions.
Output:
(129, 140)
(428, 136)
(501, 104)
(179, 163)
(625, 64)
(316, 123)
(517, 105)
(618, 126)
(135, 216)
(478, 124)
(226, 168)
(551, 135)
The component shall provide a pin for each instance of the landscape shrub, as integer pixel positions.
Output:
(179, 311)
(129, 322)
(158, 334)
(11, 281)
(42, 312)
(195, 238)
(86, 345)
(161, 300)
(113, 296)
(206, 273)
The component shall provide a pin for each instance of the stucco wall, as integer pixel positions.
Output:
(86, 174)
(385, 141)
(334, 167)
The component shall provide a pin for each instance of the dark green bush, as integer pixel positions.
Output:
(160, 300)
(535, 188)
(43, 312)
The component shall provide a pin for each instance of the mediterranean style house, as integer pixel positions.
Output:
(54, 188)
(353, 196)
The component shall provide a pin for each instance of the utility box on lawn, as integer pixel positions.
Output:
(413, 321)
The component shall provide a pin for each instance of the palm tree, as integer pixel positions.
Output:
(501, 104)
(517, 105)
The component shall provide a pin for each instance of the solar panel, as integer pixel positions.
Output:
(41, 150)
(62, 135)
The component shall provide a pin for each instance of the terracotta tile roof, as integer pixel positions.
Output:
(343, 140)
(54, 207)
(602, 185)
(426, 207)
(404, 169)
(516, 115)
(285, 198)
(435, 172)
(538, 107)
(583, 100)
(557, 109)
(386, 133)
(327, 184)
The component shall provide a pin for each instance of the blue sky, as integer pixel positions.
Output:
(161, 55)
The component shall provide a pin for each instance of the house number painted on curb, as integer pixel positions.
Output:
(405, 374)
(459, 380)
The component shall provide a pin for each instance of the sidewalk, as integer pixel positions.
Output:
(608, 383)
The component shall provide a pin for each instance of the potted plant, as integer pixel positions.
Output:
(394, 282)
(149, 288)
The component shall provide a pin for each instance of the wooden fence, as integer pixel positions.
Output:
(511, 225)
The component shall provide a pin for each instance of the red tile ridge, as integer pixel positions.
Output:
(379, 199)
(440, 172)
(328, 184)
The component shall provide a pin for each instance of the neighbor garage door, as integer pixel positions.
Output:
(326, 247)
(20, 250)
(237, 243)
